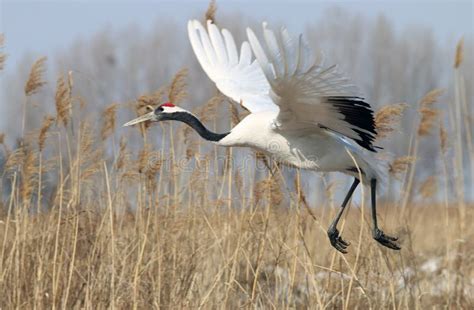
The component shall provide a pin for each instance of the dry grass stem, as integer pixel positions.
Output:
(35, 79)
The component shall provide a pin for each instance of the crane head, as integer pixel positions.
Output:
(161, 113)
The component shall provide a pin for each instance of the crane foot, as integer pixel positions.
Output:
(336, 241)
(385, 240)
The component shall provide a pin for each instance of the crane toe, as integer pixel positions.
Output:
(336, 241)
(385, 240)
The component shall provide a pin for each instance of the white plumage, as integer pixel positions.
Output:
(286, 90)
(237, 77)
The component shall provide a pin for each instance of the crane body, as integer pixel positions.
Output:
(318, 150)
(303, 114)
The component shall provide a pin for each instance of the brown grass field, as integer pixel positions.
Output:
(82, 226)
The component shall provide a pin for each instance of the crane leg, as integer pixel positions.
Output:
(336, 241)
(377, 234)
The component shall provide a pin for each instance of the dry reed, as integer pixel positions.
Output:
(35, 79)
(15, 159)
(47, 123)
(3, 56)
(124, 155)
(443, 138)
(137, 233)
(234, 114)
(108, 121)
(63, 101)
(428, 113)
(146, 103)
(459, 54)
(388, 117)
(28, 174)
(428, 187)
(211, 12)
(401, 164)
(177, 90)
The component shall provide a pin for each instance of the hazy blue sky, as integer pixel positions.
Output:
(41, 27)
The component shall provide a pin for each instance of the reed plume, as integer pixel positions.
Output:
(142, 160)
(63, 100)
(209, 109)
(387, 118)
(428, 187)
(108, 121)
(211, 12)
(35, 79)
(428, 113)
(177, 90)
(459, 54)
(149, 163)
(234, 113)
(123, 156)
(3, 56)
(15, 159)
(2, 142)
(270, 188)
(443, 138)
(401, 164)
(28, 174)
(47, 123)
(147, 102)
(152, 100)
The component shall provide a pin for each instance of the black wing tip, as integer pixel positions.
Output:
(359, 114)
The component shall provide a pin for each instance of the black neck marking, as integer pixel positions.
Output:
(196, 124)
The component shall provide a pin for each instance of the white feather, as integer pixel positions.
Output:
(236, 77)
(300, 83)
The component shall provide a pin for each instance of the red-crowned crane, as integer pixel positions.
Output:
(303, 113)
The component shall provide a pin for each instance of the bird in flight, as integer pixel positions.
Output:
(303, 113)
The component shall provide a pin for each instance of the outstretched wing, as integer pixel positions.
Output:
(308, 93)
(237, 77)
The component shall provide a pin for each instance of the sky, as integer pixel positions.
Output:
(43, 27)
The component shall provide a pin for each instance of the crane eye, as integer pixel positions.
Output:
(159, 109)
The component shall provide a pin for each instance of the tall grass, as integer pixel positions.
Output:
(182, 227)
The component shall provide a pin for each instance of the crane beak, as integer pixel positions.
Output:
(146, 117)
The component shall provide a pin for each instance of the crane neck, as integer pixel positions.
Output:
(197, 125)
